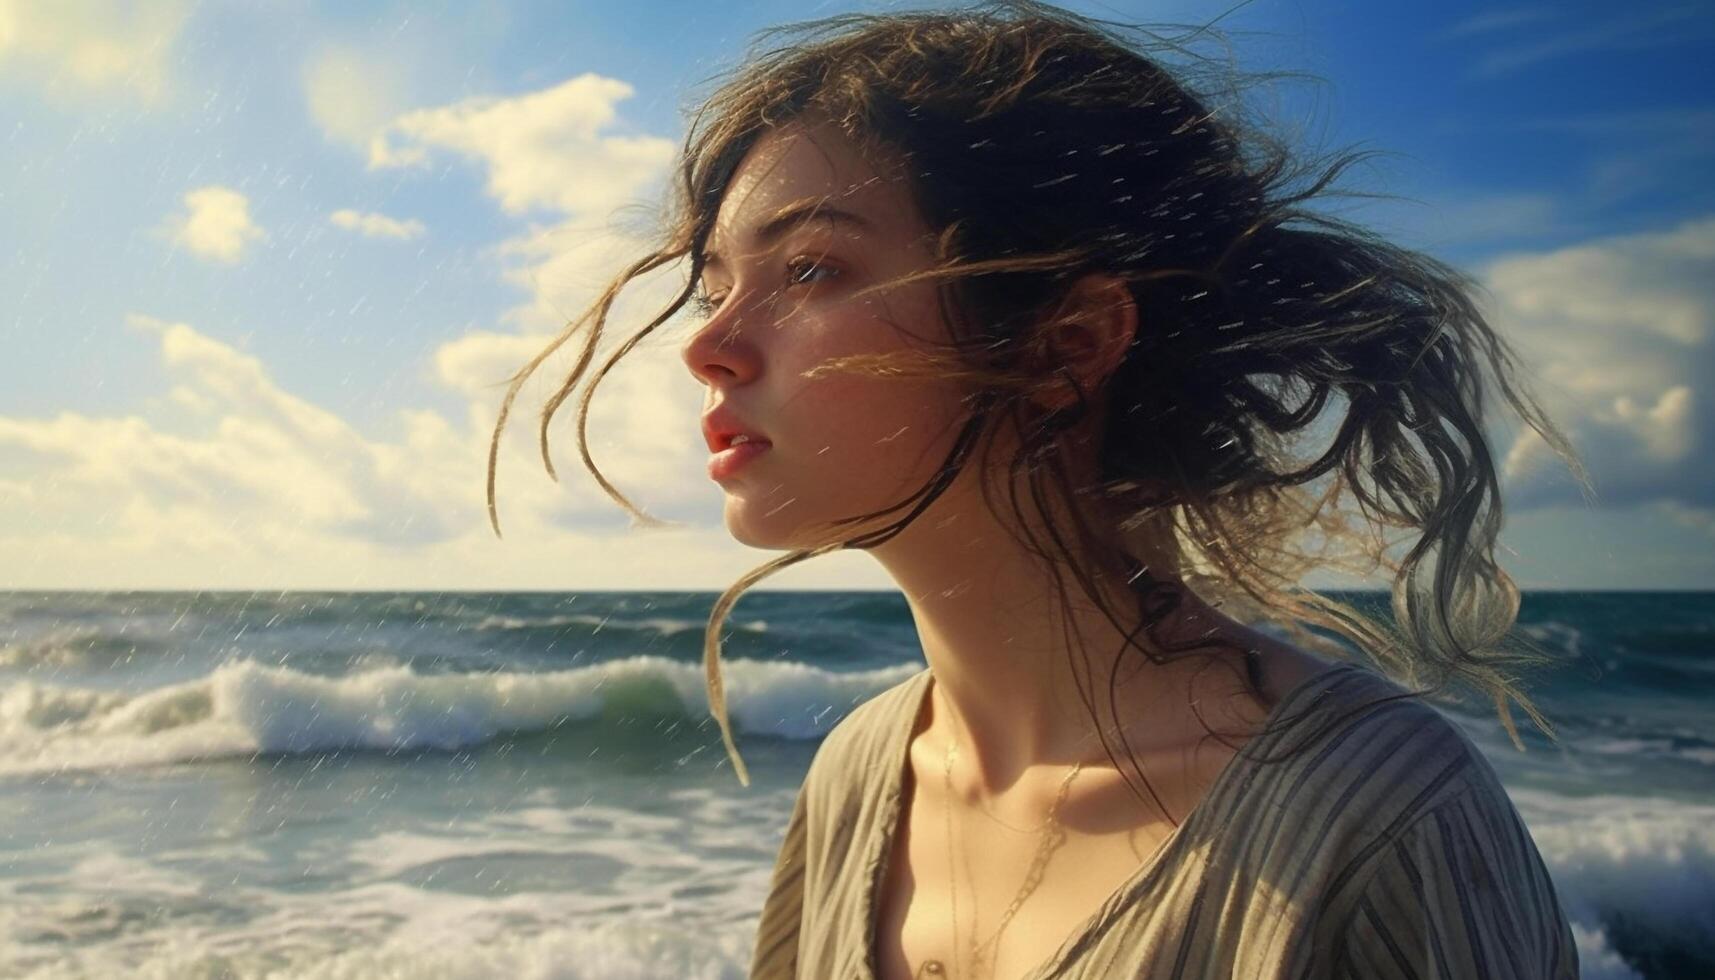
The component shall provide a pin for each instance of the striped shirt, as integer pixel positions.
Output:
(1384, 848)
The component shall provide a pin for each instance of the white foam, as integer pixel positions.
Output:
(1552, 633)
(1627, 746)
(397, 931)
(1649, 859)
(62, 646)
(244, 707)
(661, 625)
(1596, 959)
(675, 908)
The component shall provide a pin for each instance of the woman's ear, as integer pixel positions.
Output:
(1097, 324)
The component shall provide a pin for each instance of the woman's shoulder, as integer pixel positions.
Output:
(1361, 757)
(861, 745)
(1361, 707)
(1433, 854)
(1375, 809)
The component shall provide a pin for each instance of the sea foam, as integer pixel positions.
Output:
(243, 708)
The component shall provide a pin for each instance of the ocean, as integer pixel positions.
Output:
(330, 785)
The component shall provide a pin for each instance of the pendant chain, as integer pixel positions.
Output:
(1053, 837)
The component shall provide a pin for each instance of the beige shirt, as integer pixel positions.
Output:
(1387, 848)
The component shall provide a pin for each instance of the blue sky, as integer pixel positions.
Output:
(263, 263)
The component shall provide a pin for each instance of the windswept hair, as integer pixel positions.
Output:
(1045, 146)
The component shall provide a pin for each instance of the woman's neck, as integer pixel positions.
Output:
(990, 624)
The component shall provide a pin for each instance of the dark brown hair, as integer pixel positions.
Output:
(1045, 146)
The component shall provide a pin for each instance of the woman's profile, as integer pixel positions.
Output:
(1049, 330)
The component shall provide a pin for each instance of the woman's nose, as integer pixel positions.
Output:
(716, 350)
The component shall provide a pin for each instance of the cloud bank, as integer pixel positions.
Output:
(225, 477)
(1618, 333)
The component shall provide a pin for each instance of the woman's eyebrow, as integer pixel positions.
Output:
(789, 217)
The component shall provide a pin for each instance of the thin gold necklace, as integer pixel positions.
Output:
(1053, 836)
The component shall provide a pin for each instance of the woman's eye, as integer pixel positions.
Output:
(704, 306)
(805, 262)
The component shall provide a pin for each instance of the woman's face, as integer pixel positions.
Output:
(780, 304)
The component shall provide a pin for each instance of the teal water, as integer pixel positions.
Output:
(481, 785)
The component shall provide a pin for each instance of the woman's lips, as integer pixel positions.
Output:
(727, 462)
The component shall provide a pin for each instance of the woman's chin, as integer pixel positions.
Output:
(748, 522)
(765, 524)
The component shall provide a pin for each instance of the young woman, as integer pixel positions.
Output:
(992, 296)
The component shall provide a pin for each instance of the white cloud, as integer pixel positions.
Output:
(542, 150)
(215, 224)
(1634, 28)
(1495, 20)
(1698, 518)
(372, 225)
(547, 150)
(227, 478)
(1664, 430)
(86, 47)
(1637, 151)
(644, 418)
(1617, 338)
(232, 481)
(1465, 217)
(352, 91)
(482, 362)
